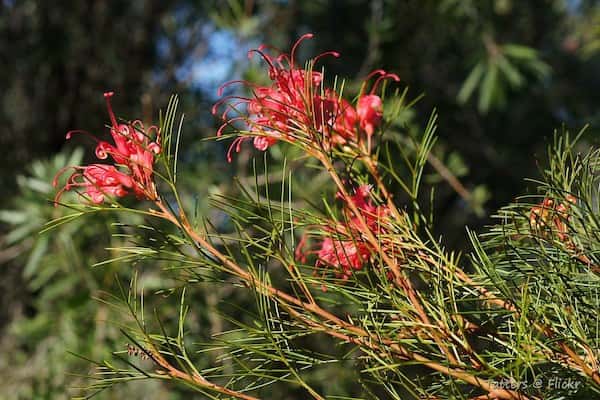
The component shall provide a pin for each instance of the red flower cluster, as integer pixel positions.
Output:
(345, 249)
(133, 151)
(550, 216)
(297, 106)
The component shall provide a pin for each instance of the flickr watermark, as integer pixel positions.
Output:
(568, 384)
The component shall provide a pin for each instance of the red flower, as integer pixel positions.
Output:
(133, 150)
(96, 180)
(335, 119)
(343, 256)
(345, 124)
(373, 216)
(264, 142)
(370, 112)
(297, 106)
(345, 248)
(370, 106)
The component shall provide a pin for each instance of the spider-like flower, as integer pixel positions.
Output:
(133, 150)
(344, 256)
(369, 107)
(96, 181)
(370, 112)
(345, 248)
(297, 106)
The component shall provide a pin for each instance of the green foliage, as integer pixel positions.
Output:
(434, 45)
(62, 317)
(525, 318)
(238, 17)
(548, 271)
(502, 70)
(587, 35)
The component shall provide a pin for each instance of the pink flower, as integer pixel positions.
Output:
(343, 256)
(345, 248)
(335, 119)
(370, 106)
(370, 111)
(96, 181)
(291, 108)
(264, 142)
(297, 106)
(375, 217)
(133, 150)
(345, 124)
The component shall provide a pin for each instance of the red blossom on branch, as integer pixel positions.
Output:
(370, 112)
(96, 181)
(345, 248)
(133, 150)
(343, 256)
(298, 106)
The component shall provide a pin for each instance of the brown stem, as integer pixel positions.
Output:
(546, 330)
(195, 379)
(363, 338)
(405, 281)
(449, 177)
(485, 294)
(368, 342)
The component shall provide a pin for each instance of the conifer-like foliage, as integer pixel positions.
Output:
(355, 279)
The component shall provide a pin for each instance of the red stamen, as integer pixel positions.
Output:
(111, 114)
(237, 145)
(293, 52)
(216, 106)
(225, 125)
(263, 55)
(334, 54)
(381, 79)
(227, 84)
(70, 134)
(373, 73)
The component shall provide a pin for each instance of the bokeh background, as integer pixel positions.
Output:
(502, 74)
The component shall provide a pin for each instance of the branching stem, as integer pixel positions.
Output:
(361, 338)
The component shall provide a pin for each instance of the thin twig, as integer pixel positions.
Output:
(363, 338)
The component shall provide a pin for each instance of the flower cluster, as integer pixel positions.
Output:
(298, 106)
(551, 216)
(132, 151)
(346, 249)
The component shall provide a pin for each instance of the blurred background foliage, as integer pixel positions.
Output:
(502, 74)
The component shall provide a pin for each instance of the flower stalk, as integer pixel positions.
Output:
(415, 303)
